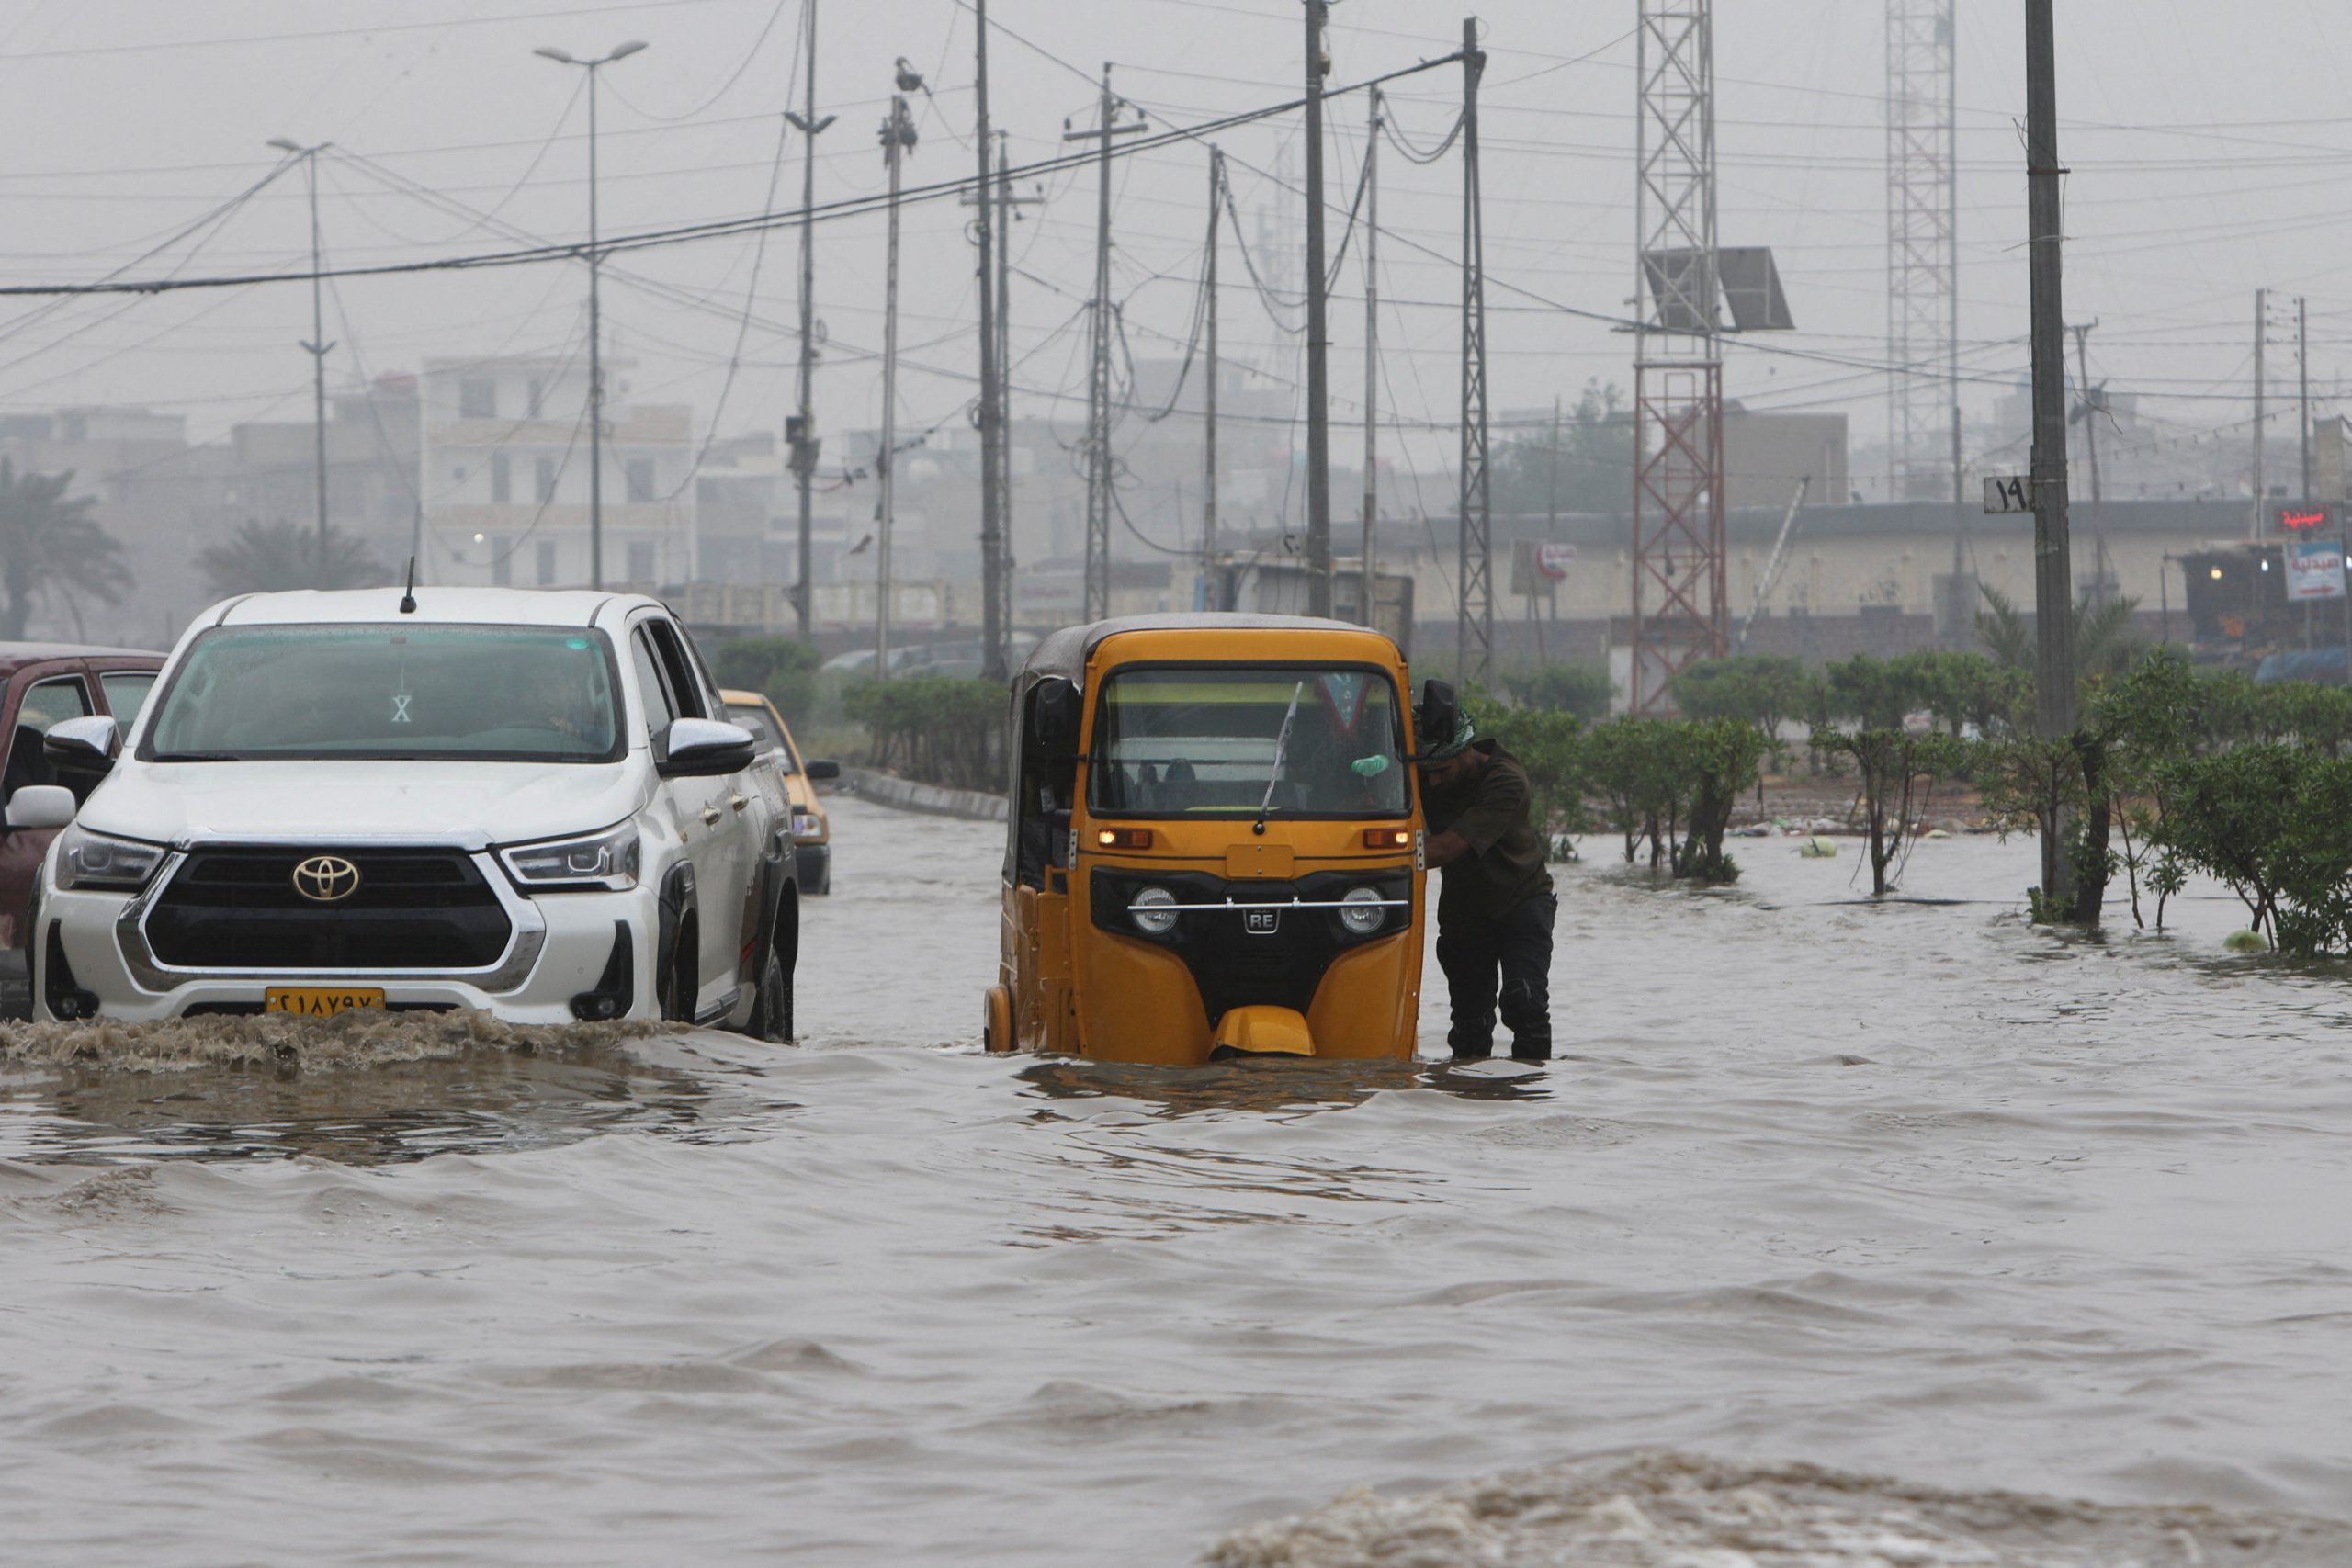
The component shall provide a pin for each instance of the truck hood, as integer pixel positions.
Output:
(466, 804)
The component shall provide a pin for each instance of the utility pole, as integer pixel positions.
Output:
(1098, 386)
(897, 137)
(318, 345)
(2091, 409)
(1007, 214)
(2261, 385)
(800, 431)
(1367, 599)
(2303, 378)
(1209, 594)
(1475, 573)
(595, 315)
(1318, 388)
(2053, 559)
(992, 630)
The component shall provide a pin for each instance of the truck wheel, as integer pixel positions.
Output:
(771, 1017)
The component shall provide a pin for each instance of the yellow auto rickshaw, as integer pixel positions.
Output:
(1214, 846)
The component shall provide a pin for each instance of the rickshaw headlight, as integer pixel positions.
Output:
(1154, 909)
(1361, 910)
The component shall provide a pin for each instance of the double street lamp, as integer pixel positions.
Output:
(595, 318)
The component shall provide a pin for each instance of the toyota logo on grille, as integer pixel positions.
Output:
(326, 879)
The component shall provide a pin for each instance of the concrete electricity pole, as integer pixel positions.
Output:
(993, 629)
(1366, 600)
(1474, 575)
(800, 432)
(2261, 385)
(2303, 380)
(1209, 593)
(1318, 400)
(318, 345)
(1098, 385)
(2053, 597)
(2091, 410)
(1007, 214)
(897, 137)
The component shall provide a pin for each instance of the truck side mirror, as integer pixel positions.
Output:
(40, 806)
(1438, 716)
(1054, 716)
(86, 743)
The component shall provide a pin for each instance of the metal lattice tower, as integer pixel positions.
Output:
(1681, 611)
(1922, 250)
(1475, 616)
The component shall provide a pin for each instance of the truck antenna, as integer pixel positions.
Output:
(408, 594)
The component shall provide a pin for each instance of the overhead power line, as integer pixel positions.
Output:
(718, 229)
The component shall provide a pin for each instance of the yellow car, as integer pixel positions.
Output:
(811, 834)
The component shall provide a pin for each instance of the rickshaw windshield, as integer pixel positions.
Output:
(1215, 740)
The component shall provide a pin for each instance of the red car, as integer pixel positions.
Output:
(47, 684)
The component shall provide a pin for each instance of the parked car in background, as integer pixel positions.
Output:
(47, 684)
(811, 830)
(526, 802)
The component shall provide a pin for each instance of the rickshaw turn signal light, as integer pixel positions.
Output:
(1122, 838)
(1388, 838)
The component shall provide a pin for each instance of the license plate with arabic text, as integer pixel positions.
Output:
(321, 1001)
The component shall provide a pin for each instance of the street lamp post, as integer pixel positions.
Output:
(595, 318)
(318, 345)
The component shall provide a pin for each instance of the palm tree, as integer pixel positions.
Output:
(50, 544)
(2104, 643)
(270, 557)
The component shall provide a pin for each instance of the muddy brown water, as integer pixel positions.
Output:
(1819, 1190)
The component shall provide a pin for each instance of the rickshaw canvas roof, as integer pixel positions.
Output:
(1066, 652)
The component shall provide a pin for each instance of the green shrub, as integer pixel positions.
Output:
(943, 729)
(1582, 690)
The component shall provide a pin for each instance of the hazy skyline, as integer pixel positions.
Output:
(2193, 182)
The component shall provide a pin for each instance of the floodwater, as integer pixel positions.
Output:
(1910, 1190)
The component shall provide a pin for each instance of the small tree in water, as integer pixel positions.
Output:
(1720, 758)
(1898, 769)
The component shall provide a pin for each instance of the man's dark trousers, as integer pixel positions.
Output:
(1518, 945)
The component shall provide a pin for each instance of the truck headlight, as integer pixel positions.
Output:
(806, 826)
(607, 860)
(1361, 910)
(87, 860)
(1154, 910)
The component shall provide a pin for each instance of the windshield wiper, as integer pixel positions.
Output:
(197, 756)
(1281, 741)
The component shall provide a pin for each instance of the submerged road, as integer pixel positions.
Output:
(1912, 1188)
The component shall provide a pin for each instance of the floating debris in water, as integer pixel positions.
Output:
(1661, 1509)
(360, 1038)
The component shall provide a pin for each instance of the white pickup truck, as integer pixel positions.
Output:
(527, 802)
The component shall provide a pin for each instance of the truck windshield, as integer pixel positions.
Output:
(1192, 741)
(451, 692)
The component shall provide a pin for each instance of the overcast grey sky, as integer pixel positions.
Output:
(2206, 142)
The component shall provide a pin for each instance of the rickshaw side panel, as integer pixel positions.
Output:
(1041, 982)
